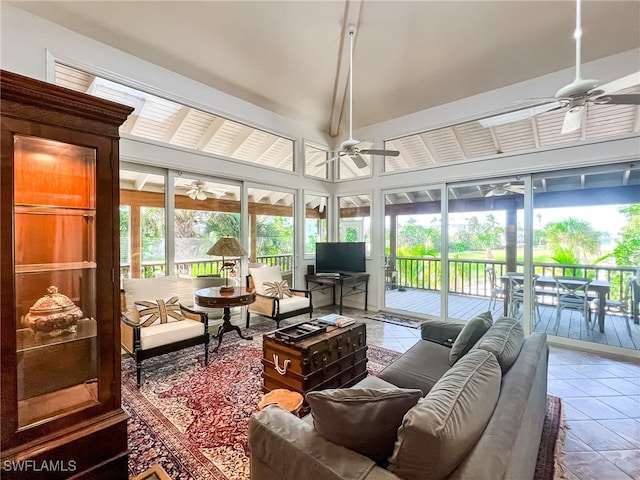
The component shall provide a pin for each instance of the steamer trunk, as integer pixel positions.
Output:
(334, 359)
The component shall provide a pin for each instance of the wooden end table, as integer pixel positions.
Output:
(212, 297)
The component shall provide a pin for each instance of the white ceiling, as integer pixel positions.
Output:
(291, 57)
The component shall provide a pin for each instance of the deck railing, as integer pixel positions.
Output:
(466, 277)
(471, 277)
(193, 268)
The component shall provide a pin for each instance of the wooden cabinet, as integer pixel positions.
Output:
(60, 330)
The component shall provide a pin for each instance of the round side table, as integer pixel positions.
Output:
(290, 401)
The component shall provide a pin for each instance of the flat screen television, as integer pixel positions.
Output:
(340, 257)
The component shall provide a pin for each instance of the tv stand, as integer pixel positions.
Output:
(350, 284)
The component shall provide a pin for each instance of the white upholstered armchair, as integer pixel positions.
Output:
(155, 321)
(275, 299)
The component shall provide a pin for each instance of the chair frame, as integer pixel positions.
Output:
(275, 314)
(516, 295)
(141, 354)
(572, 297)
(623, 305)
(496, 291)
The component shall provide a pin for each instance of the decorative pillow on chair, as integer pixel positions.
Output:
(264, 275)
(469, 336)
(277, 289)
(160, 311)
(365, 420)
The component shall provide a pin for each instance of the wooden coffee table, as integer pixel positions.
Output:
(212, 297)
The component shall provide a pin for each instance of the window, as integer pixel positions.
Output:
(315, 229)
(355, 219)
(163, 120)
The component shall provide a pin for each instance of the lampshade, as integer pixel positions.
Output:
(227, 247)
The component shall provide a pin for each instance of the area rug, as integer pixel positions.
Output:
(193, 420)
(396, 319)
(550, 454)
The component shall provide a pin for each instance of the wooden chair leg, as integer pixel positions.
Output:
(138, 373)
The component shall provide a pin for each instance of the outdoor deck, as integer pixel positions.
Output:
(618, 330)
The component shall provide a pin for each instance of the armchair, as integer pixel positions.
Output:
(155, 323)
(274, 298)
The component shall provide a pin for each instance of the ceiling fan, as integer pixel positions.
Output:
(576, 95)
(351, 147)
(199, 192)
(504, 189)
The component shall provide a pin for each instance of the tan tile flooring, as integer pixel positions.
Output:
(601, 398)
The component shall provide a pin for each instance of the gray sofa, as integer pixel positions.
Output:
(481, 416)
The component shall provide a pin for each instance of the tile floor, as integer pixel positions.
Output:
(601, 398)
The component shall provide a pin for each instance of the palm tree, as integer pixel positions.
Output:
(572, 234)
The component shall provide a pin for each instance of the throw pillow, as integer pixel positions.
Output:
(438, 433)
(265, 274)
(504, 339)
(144, 288)
(469, 335)
(277, 289)
(159, 311)
(365, 420)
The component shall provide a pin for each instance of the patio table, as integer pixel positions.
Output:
(601, 287)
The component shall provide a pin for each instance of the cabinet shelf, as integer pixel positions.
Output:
(26, 340)
(46, 267)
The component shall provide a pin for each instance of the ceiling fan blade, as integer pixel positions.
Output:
(573, 119)
(622, 99)
(519, 115)
(329, 160)
(358, 160)
(515, 189)
(490, 193)
(615, 86)
(385, 153)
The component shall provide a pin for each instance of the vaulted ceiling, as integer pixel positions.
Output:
(291, 57)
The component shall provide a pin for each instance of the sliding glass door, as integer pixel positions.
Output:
(412, 267)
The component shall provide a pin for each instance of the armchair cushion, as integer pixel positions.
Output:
(277, 289)
(365, 420)
(167, 333)
(145, 289)
(469, 336)
(264, 275)
(158, 311)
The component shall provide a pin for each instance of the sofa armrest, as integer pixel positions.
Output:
(282, 446)
(441, 332)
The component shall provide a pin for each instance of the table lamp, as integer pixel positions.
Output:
(227, 247)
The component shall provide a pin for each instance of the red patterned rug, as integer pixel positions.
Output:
(193, 420)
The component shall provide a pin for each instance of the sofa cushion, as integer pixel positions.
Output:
(419, 367)
(469, 335)
(148, 289)
(441, 429)
(362, 419)
(263, 275)
(158, 311)
(504, 339)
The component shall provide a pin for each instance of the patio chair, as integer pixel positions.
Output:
(516, 294)
(572, 294)
(618, 306)
(496, 290)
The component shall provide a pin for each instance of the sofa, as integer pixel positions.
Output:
(468, 401)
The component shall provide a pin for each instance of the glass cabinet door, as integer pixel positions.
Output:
(55, 278)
